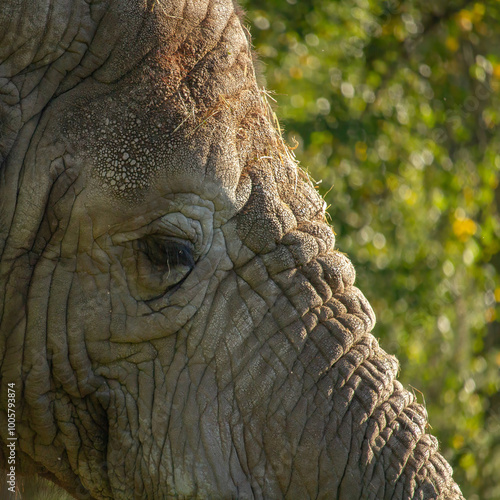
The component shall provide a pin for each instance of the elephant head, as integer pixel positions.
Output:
(174, 316)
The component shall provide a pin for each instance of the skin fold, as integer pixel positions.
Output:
(173, 312)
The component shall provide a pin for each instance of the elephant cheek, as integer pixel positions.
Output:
(67, 430)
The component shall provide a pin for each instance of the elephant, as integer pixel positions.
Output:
(176, 321)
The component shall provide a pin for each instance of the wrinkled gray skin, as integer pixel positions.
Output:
(130, 132)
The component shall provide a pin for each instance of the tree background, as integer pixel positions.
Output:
(395, 106)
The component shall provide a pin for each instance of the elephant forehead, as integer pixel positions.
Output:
(148, 107)
(135, 143)
(131, 159)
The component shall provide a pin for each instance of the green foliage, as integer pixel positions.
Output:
(395, 106)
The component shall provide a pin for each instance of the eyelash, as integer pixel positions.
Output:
(168, 253)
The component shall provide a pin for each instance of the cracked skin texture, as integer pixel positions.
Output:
(252, 375)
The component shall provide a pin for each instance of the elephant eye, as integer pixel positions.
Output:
(168, 253)
(156, 264)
